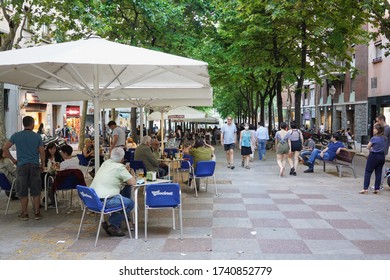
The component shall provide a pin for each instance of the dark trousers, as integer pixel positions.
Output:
(374, 162)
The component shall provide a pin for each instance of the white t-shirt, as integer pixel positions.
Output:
(121, 136)
(72, 163)
(109, 178)
(229, 133)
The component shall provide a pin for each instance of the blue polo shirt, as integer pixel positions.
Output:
(332, 149)
(27, 144)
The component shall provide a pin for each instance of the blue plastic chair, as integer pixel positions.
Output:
(129, 155)
(86, 163)
(205, 169)
(93, 203)
(67, 180)
(6, 185)
(138, 164)
(186, 165)
(171, 152)
(163, 196)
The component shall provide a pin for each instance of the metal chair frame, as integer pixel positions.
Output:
(169, 201)
(88, 194)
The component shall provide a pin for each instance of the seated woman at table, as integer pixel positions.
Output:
(130, 144)
(53, 159)
(89, 153)
(200, 152)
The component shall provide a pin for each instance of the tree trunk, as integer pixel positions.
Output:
(301, 78)
(279, 97)
(134, 124)
(82, 125)
(2, 116)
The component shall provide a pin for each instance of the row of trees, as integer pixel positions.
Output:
(254, 47)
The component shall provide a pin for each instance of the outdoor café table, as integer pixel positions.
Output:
(168, 161)
(136, 188)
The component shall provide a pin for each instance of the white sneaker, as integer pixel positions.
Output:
(373, 188)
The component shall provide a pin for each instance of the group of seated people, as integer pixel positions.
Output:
(309, 153)
(113, 177)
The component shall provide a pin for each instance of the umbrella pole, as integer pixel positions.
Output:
(141, 123)
(96, 116)
(162, 131)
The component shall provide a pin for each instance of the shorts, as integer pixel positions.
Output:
(296, 146)
(282, 149)
(28, 176)
(228, 147)
(245, 151)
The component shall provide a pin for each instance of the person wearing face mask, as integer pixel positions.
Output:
(246, 138)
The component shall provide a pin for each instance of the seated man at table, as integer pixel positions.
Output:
(69, 161)
(329, 153)
(156, 152)
(109, 180)
(143, 152)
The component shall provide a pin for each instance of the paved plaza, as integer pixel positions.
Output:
(257, 215)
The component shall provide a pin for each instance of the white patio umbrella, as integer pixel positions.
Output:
(181, 113)
(96, 69)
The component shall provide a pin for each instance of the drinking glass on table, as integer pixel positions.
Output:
(140, 173)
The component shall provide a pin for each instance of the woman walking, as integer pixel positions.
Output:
(375, 160)
(295, 140)
(246, 139)
(282, 147)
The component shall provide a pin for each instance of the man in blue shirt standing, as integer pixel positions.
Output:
(228, 140)
(30, 164)
(328, 153)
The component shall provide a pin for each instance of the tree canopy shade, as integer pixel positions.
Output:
(254, 48)
(267, 45)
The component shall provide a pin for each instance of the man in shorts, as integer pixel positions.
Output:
(29, 147)
(229, 140)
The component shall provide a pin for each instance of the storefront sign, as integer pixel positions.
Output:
(31, 97)
(72, 111)
(176, 117)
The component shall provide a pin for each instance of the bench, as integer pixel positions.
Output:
(343, 159)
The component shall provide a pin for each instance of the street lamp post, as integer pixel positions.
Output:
(332, 92)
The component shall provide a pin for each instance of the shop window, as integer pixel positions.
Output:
(374, 82)
(6, 95)
(378, 53)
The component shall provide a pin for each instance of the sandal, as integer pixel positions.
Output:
(376, 192)
(363, 192)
